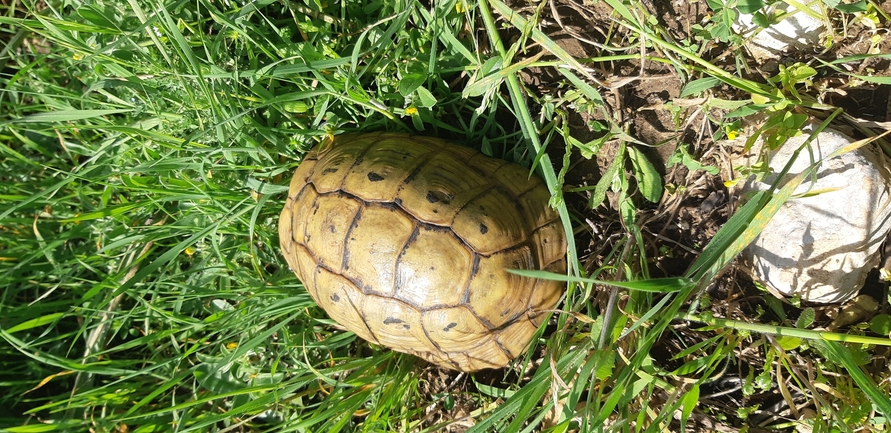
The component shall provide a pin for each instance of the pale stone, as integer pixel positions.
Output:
(798, 31)
(822, 245)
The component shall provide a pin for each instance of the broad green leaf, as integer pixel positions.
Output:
(426, 99)
(806, 319)
(410, 82)
(748, 110)
(789, 343)
(696, 87)
(217, 377)
(607, 178)
(589, 91)
(881, 324)
(691, 366)
(648, 179)
(761, 20)
(681, 156)
(749, 6)
(852, 8)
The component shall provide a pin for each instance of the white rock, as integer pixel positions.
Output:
(798, 31)
(821, 247)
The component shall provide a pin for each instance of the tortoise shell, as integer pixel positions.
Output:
(405, 240)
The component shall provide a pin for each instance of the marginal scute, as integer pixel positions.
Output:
(327, 225)
(301, 175)
(485, 164)
(343, 301)
(516, 179)
(304, 266)
(530, 204)
(493, 306)
(405, 240)
(551, 243)
(515, 337)
(396, 324)
(285, 231)
(454, 329)
(542, 299)
(334, 163)
(301, 207)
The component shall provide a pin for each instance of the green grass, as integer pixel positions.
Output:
(144, 150)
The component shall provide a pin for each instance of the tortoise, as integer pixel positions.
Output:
(405, 241)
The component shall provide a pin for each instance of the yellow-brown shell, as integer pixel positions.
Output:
(405, 239)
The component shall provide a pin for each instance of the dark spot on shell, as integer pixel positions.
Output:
(335, 298)
(483, 229)
(438, 196)
(392, 320)
(332, 229)
(329, 170)
(374, 177)
(449, 327)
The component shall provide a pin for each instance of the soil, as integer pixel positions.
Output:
(644, 98)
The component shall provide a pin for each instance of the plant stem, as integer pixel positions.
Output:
(807, 334)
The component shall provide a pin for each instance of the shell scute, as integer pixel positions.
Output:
(372, 258)
(433, 269)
